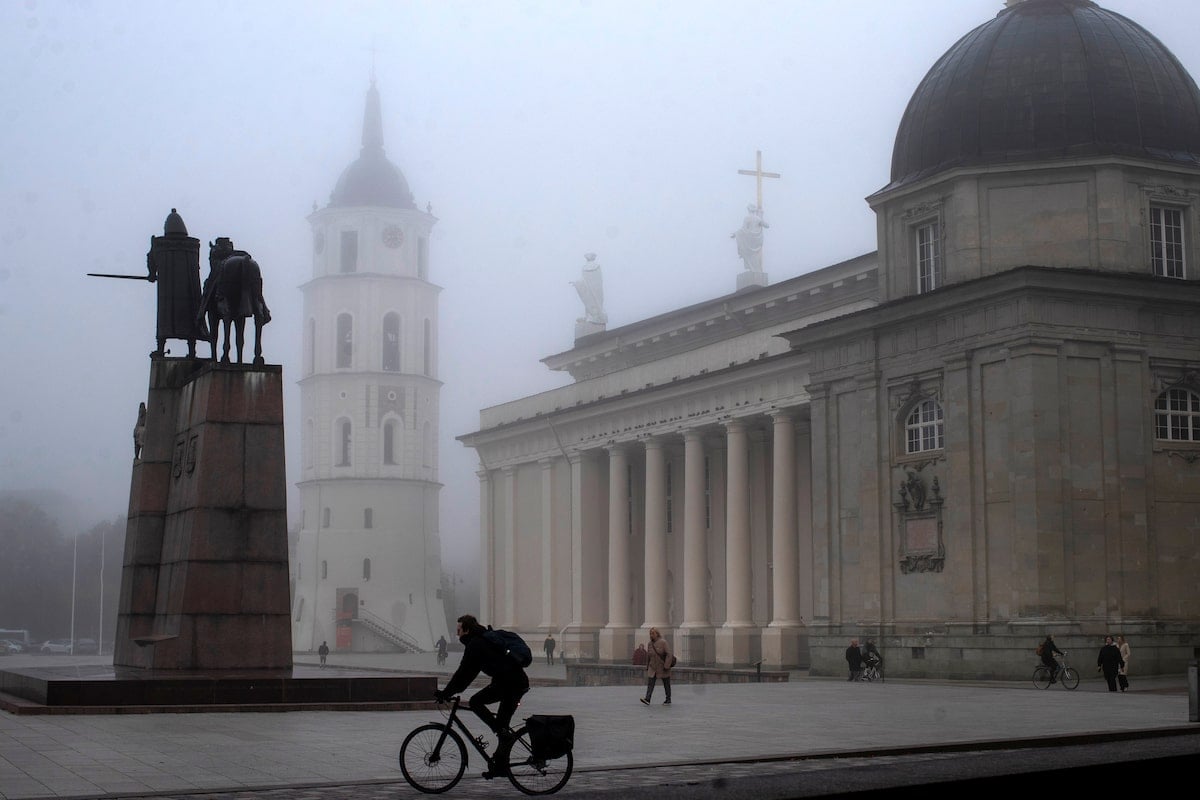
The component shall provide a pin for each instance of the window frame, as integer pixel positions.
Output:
(937, 279)
(1191, 414)
(1160, 263)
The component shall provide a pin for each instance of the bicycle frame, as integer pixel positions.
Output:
(455, 721)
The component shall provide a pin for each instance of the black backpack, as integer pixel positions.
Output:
(511, 644)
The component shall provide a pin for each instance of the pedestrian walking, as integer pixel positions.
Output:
(548, 646)
(323, 652)
(1123, 674)
(854, 660)
(1109, 660)
(659, 661)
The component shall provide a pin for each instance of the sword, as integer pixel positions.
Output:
(126, 277)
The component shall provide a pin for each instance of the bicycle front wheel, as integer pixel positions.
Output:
(433, 758)
(1041, 677)
(1069, 677)
(536, 775)
(870, 674)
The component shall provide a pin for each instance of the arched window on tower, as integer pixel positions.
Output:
(428, 348)
(423, 258)
(345, 341)
(349, 251)
(368, 518)
(344, 442)
(325, 517)
(366, 569)
(324, 570)
(310, 354)
(391, 342)
(426, 446)
(389, 441)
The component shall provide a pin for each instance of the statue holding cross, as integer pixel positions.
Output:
(750, 236)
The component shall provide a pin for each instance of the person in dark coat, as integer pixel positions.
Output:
(323, 652)
(1049, 648)
(509, 681)
(1110, 661)
(854, 660)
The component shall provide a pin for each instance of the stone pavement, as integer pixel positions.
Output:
(713, 737)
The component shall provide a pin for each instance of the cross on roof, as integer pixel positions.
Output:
(758, 174)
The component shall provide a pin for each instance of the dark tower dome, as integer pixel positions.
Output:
(1049, 79)
(372, 180)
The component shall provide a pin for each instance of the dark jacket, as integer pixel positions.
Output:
(1049, 648)
(854, 657)
(1110, 659)
(482, 656)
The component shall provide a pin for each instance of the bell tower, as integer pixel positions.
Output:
(368, 566)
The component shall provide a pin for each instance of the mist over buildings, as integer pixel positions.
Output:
(536, 131)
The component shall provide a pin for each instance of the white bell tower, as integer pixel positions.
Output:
(368, 571)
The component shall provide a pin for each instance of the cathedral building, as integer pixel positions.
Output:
(367, 570)
(985, 431)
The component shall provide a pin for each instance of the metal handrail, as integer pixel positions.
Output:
(389, 630)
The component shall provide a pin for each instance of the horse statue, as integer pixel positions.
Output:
(233, 292)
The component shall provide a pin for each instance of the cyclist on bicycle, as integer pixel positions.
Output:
(1049, 648)
(871, 655)
(509, 681)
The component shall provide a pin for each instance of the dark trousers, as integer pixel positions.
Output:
(1123, 679)
(650, 686)
(1110, 675)
(508, 694)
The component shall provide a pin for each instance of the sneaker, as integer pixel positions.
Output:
(645, 701)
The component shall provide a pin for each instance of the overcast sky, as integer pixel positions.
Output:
(539, 131)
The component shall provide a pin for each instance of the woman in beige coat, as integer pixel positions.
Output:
(659, 656)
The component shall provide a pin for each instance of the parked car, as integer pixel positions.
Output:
(9, 646)
(86, 647)
(56, 646)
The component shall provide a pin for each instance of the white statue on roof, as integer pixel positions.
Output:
(590, 287)
(750, 239)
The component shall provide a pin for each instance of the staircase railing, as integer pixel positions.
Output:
(390, 632)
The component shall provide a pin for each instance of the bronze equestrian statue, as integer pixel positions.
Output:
(233, 292)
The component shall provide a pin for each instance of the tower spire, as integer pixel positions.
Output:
(372, 134)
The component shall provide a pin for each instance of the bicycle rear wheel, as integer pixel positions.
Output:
(1041, 677)
(533, 775)
(433, 758)
(1069, 677)
(870, 674)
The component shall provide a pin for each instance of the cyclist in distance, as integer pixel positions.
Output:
(509, 681)
(1049, 648)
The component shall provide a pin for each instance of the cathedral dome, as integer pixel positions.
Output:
(372, 180)
(1049, 79)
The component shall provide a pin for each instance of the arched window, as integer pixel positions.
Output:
(349, 252)
(311, 345)
(308, 442)
(391, 342)
(428, 347)
(368, 517)
(923, 429)
(389, 441)
(325, 518)
(324, 570)
(345, 341)
(344, 440)
(1177, 416)
(366, 569)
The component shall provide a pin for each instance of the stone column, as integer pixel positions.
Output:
(616, 638)
(588, 578)
(781, 639)
(506, 605)
(733, 640)
(656, 536)
(548, 565)
(487, 544)
(696, 629)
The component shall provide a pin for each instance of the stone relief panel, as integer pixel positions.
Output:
(919, 511)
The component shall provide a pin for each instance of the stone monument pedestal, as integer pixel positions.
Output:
(750, 279)
(204, 584)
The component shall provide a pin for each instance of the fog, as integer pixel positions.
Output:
(537, 131)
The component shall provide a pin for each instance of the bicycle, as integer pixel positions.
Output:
(433, 758)
(1042, 677)
(873, 671)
